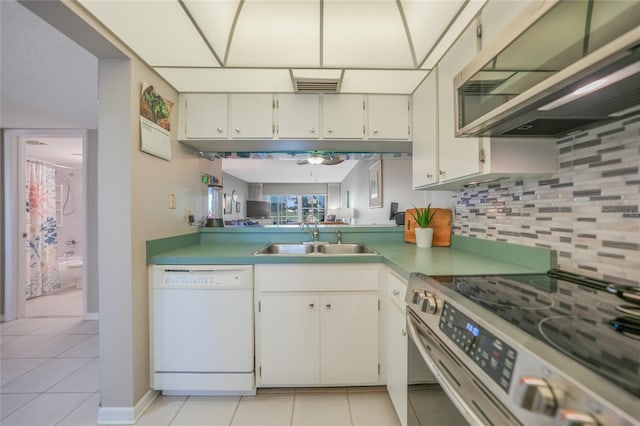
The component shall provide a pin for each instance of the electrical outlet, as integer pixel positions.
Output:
(172, 200)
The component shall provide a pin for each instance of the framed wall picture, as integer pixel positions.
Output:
(375, 184)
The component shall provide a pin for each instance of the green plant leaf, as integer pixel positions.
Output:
(423, 217)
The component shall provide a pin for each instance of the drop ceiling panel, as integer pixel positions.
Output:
(381, 81)
(227, 79)
(427, 21)
(276, 34)
(369, 35)
(469, 12)
(215, 19)
(158, 31)
(285, 171)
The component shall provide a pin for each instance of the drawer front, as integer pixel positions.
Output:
(396, 290)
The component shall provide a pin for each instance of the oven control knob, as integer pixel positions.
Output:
(575, 418)
(418, 295)
(429, 303)
(535, 394)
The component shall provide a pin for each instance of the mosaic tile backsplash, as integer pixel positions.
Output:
(588, 211)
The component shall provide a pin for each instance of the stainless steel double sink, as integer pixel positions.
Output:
(315, 249)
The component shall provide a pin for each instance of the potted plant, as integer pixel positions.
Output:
(423, 218)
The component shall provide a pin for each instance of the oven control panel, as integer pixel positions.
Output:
(491, 354)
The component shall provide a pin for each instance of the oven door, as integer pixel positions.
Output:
(441, 390)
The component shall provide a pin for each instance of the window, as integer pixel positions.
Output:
(288, 209)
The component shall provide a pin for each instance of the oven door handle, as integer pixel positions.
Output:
(465, 409)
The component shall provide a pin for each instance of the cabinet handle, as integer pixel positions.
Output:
(311, 305)
(404, 332)
(312, 130)
(330, 130)
(237, 130)
(396, 292)
(441, 172)
(429, 175)
(328, 305)
(375, 131)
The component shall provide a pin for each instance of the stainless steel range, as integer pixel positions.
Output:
(548, 349)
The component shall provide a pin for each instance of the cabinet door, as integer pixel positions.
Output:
(425, 132)
(343, 116)
(289, 339)
(388, 116)
(396, 346)
(298, 116)
(457, 156)
(205, 116)
(349, 338)
(251, 116)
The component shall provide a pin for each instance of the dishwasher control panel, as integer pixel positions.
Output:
(202, 277)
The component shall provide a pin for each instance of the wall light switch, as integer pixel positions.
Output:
(172, 200)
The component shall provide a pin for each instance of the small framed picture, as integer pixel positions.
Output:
(375, 184)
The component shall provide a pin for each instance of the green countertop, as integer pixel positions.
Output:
(402, 257)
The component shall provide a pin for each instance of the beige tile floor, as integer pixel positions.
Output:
(49, 376)
(65, 302)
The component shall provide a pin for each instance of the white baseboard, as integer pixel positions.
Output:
(126, 415)
(91, 316)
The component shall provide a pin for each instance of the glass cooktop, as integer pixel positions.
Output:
(591, 321)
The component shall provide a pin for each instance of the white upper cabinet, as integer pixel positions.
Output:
(497, 15)
(205, 116)
(425, 132)
(457, 156)
(389, 117)
(298, 116)
(343, 116)
(251, 116)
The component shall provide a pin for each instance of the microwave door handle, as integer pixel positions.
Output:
(464, 408)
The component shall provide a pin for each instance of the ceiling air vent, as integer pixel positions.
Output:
(316, 85)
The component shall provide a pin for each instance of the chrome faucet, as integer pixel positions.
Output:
(314, 233)
(339, 234)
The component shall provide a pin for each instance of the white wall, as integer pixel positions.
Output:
(73, 212)
(396, 187)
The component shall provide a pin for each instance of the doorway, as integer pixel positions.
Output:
(48, 274)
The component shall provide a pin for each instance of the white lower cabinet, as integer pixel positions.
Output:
(289, 335)
(396, 345)
(321, 332)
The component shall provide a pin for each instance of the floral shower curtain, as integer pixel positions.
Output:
(43, 274)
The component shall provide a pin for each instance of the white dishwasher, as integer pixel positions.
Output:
(201, 321)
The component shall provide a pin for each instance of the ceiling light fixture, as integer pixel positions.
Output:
(594, 86)
(315, 160)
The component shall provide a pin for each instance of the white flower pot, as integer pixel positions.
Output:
(424, 237)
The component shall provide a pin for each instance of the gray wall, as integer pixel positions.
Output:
(231, 183)
(47, 80)
(396, 187)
